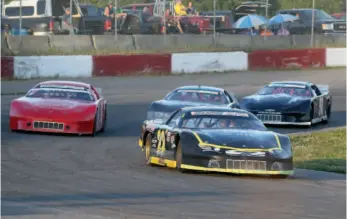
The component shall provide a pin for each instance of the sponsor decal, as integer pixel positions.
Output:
(246, 154)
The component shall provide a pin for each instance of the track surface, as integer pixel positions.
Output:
(49, 176)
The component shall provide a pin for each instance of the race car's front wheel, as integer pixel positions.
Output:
(104, 122)
(178, 158)
(328, 113)
(148, 148)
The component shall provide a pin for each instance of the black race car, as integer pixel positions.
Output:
(195, 95)
(290, 103)
(217, 139)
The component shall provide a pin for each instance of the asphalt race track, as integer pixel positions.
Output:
(54, 176)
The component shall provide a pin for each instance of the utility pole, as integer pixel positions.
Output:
(312, 23)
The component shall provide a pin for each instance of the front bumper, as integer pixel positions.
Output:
(238, 171)
(49, 126)
(278, 118)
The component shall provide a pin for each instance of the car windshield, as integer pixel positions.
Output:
(213, 97)
(60, 94)
(15, 11)
(301, 91)
(222, 120)
(319, 15)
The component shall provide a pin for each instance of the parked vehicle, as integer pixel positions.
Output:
(323, 22)
(43, 17)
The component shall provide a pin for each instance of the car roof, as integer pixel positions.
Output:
(200, 87)
(67, 83)
(212, 108)
(297, 83)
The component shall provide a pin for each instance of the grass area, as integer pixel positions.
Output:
(323, 151)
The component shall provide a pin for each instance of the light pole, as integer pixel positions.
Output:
(115, 20)
(214, 21)
(71, 11)
(20, 21)
(312, 23)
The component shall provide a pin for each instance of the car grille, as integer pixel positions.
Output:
(48, 125)
(270, 117)
(246, 164)
(340, 27)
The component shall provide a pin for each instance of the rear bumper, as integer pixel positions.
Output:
(50, 126)
(287, 123)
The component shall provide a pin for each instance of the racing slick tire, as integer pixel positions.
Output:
(148, 149)
(281, 176)
(104, 122)
(94, 126)
(178, 159)
(311, 117)
(328, 113)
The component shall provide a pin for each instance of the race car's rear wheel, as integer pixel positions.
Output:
(148, 148)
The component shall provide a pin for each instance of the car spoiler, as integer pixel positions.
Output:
(323, 88)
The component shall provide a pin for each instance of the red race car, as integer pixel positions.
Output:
(60, 107)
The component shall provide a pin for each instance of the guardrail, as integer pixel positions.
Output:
(36, 45)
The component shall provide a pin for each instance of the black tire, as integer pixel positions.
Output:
(148, 149)
(311, 117)
(178, 159)
(328, 112)
(280, 176)
(104, 123)
(94, 126)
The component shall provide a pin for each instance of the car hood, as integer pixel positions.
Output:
(52, 108)
(278, 103)
(172, 105)
(235, 138)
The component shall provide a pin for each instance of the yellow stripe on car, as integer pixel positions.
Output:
(263, 172)
(203, 144)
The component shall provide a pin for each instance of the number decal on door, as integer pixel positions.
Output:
(321, 107)
(161, 141)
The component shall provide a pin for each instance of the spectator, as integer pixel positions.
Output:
(265, 32)
(252, 31)
(191, 10)
(66, 24)
(283, 31)
(109, 12)
(180, 9)
(172, 21)
(146, 15)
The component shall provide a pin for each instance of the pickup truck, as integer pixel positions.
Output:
(323, 22)
(43, 17)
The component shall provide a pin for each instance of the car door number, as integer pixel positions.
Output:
(161, 142)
